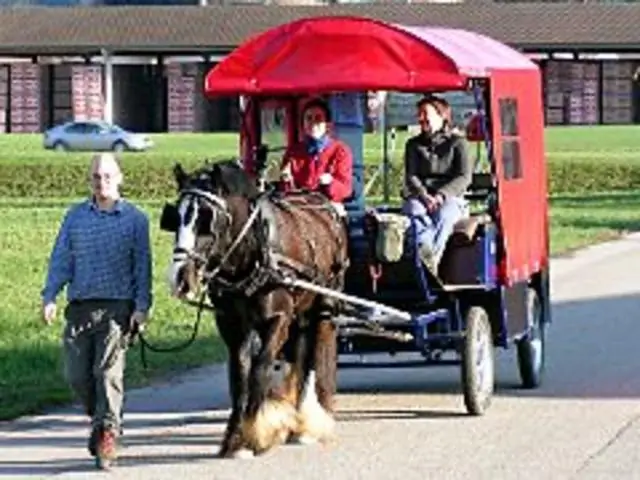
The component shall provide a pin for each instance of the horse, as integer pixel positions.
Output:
(237, 245)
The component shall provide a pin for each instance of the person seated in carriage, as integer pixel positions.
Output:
(438, 171)
(319, 162)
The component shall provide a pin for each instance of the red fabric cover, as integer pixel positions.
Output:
(347, 53)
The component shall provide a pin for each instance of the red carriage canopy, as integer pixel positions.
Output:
(356, 54)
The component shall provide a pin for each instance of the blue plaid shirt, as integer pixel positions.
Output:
(102, 255)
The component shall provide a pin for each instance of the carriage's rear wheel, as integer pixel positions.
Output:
(531, 349)
(478, 363)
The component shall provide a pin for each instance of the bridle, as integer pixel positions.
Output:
(218, 204)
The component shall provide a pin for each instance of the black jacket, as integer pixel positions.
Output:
(440, 163)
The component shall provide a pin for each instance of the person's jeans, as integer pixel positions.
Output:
(434, 229)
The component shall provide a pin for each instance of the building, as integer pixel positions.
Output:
(143, 66)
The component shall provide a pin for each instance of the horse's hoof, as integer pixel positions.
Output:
(243, 454)
(304, 440)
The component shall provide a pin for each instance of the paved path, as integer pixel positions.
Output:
(406, 424)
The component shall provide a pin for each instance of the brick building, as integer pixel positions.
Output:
(143, 66)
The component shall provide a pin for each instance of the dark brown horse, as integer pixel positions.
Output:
(240, 244)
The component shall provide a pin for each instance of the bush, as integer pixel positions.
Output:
(586, 177)
(147, 180)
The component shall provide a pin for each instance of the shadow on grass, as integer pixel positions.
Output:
(618, 212)
(598, 223)
(622, 198)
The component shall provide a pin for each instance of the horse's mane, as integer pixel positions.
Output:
(227, 176)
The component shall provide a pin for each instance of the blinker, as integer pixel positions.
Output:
(170, 218)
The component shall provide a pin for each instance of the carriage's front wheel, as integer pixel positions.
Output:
(478, 364)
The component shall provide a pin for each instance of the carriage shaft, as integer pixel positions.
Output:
(294, 282)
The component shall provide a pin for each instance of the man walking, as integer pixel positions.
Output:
(102, 254)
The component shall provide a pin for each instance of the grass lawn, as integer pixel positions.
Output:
(578, 220)
(606, 143)
(30, 354)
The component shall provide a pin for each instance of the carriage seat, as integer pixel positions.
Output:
(465, 229)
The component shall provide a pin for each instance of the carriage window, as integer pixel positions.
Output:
(274, 134)
(511, 163)
(511, 159)
(508, 117)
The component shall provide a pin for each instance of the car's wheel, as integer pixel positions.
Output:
(60, 147)
(119, 147)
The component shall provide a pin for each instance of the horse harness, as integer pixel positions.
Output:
(269, 268)
(272, 267)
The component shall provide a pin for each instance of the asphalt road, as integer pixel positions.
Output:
(405, 424)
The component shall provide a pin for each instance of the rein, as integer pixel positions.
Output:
(207, 278)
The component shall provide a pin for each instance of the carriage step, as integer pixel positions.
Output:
(457, 287)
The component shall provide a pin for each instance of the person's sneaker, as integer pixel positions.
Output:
(106, 449)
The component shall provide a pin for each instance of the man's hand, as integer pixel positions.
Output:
(48, 312)
(325, 179)
(137, 322)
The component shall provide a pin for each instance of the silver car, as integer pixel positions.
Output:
(94, 136)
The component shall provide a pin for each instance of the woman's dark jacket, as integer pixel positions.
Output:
(439, 163)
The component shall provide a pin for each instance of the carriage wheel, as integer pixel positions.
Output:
(478, 365)
(531, 349)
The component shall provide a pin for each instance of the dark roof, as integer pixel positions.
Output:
(66, 30)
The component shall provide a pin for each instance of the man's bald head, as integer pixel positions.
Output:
(106, 176)
(106, 161)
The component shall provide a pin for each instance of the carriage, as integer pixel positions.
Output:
(492, 287)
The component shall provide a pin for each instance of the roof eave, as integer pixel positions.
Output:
(578, 47)
(75, 50)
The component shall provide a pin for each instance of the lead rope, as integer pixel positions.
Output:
(144, 344)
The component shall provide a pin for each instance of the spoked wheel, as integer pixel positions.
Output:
(478, 364)
(531, 349)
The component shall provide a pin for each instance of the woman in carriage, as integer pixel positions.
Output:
(319, 162)
(438, 171)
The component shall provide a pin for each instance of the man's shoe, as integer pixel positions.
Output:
(93, 441)
(106, 449)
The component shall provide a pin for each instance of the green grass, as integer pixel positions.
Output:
(581, 220)
(30, 353)
(608, 144)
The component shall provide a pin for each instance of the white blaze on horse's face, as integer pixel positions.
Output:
(186, 238)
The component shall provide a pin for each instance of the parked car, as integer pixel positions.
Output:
(94, 136)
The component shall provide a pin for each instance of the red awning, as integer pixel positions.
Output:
(355, 54)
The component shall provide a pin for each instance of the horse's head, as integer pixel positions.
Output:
(203, 218)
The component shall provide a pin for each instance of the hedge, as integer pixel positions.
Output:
(155, 181)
